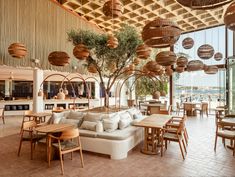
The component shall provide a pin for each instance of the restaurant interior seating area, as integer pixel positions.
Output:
(117, 88)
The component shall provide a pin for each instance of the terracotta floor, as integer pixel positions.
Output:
(201, 159)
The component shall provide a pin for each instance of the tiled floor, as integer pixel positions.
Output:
(201, 159)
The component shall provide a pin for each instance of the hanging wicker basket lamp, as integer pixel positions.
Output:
(179, 69)
(182, 61)
(143, 51)
(229, 17)
(203, 4)
(58, 58)
(165, 58)
(218, 56)
(161, 33)
(81, 52)
(17, 50)
(211, 69)
(195, 65)
(91, 68)
(205, 51)
(153, 66)
(188, 43)
(169, 71)
(112, 42)
(113, 8)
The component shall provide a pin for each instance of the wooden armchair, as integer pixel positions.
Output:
(68, 142)
(224, 134)
(2, 115)
(176, 136)
(26, 117)
(28, 134)
(153, 110)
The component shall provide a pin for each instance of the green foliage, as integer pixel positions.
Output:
(146, 86)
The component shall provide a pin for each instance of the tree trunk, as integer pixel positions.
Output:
(106, 100)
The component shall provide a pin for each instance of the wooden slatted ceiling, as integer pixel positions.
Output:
(138, 12)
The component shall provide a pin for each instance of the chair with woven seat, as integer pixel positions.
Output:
(176, 137)
(2, 115)
(153, 110)
(28, 134)
(178, 108)
(26, 117)
(224, 134)
(174, 123)
(203, 109)
(68, 142)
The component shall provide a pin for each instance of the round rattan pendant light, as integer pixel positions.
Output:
(229, 17)
(188, 43)
(58, 58)
(165, 58)
(17, 50)
(203, 4)
(205, 51)
(113, 8)
(218, 56)
(211, 69)
(143, 51)
(181, 61)
(161, 33)
(81, 52)
(112, 42)
(195, 65)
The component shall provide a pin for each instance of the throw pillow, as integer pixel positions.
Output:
(93, 117)
(99, 127)
(56, 117)
(125, 120)
(74, 122)
(138, 116)
(89, 125)
(75, 115)
(111, 124)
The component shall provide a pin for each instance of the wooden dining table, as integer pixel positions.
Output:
(51, 129)
(153, 126)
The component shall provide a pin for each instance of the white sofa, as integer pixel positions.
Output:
(115, 143)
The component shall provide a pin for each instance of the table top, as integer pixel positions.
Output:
(154, 121)
(230, 121)
(220, 109)
(39, 114)
(153, 104)
(53, 128)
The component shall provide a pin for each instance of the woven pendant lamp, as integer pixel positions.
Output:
(161, 33)
(195, 65)
(205, 51)
(229, 17)
(211, 69)
(113, 8)
(81, 52)
(58, 58)
(143, 51)
(17, 50)
(218, 56)
(188, 43)
(165, 58)
(112, 42)
(203, 4)
(181, 61)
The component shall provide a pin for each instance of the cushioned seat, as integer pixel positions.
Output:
(118, 134)
(88, 133)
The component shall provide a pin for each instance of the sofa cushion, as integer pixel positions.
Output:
(118, 134)
(99, 127)
(111, 124)
(87, 133)
(56, 117)
(75, 115)
(87, 125)
(75, 122)
(125, 120)
(93, 117)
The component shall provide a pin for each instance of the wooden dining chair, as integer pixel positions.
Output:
(188, 109)
(178, 108)
(176, 137)
(153, 110)
(28, 134)
(203, 109)
(26, 118)
(68, 142)
(224, 134)
(2, 115)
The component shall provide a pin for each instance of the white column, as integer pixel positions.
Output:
(37, 100)
(7, 88)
